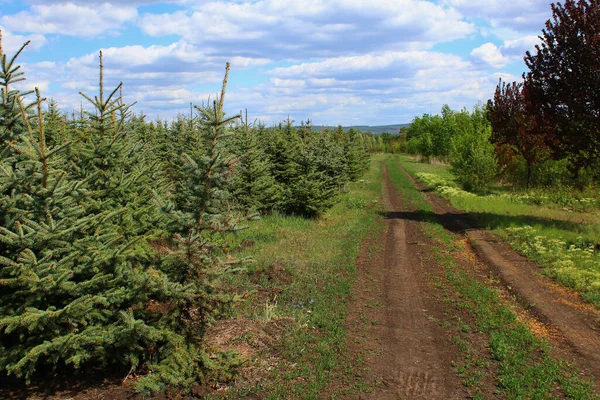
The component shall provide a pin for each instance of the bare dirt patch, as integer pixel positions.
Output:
(394, 322)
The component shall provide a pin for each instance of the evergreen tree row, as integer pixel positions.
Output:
(111, 227)
(280, 168)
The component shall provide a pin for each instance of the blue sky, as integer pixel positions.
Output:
(349, 62)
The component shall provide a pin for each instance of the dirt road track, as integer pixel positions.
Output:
(414, 353)
(407, 352)
(575, 323)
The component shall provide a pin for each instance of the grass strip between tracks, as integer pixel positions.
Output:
(524, 366)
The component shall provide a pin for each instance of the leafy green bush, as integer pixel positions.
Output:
(473, 158)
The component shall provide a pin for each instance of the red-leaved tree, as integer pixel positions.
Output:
(516, 125)
(564, 80)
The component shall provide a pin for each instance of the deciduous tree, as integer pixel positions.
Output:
(516, 125)
(564, 80)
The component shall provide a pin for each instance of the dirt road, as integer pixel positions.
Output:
(412, 353)
(396, 324)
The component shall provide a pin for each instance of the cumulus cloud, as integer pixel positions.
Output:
(294, 29)
(490, 54)
(377, 88)
(518, 47)
(510, 52)
(335, 61)
(70, 19)
(523, 15)
(180, 63)
(163, 79)
(12, 42)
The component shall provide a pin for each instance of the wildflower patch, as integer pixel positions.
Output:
(576, 265)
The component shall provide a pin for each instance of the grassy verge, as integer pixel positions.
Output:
(303, 276)
(562, 234)
(521, 363)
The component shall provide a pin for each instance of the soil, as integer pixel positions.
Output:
(405, 351)
(409, 355)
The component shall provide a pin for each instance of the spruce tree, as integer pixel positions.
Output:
(283, 148)
(252, 186)
(70, 293)
(117, 167)
(11, 122)
(198, 254)
(356, 154)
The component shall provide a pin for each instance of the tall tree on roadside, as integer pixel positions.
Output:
(515, 124)
(564, 80)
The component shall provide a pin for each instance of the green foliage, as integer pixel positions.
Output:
(114, 232)
(116, 166)
(81, 282)
(305, 168)
(69, 286)
(253, 186)
(11, 122)
(473, 158)
(462, 138)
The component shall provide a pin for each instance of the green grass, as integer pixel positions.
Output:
(564, 240)
(525, 368)
(316, 259)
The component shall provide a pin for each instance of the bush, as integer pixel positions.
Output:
(473, 159)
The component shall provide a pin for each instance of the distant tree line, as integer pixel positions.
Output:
(458, 137)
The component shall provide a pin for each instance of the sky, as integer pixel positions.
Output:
(348, 62)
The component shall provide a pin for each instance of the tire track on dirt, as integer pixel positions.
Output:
(577, 323)
(415, 360)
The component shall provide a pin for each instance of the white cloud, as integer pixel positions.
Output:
(490, 54)
(376, 88)
(11, 42)
(334, 61)
(71, 19)
(511, 51)
(163, 79)
(518, 47)
(522, 15)
(179, 63)
(294, 29)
